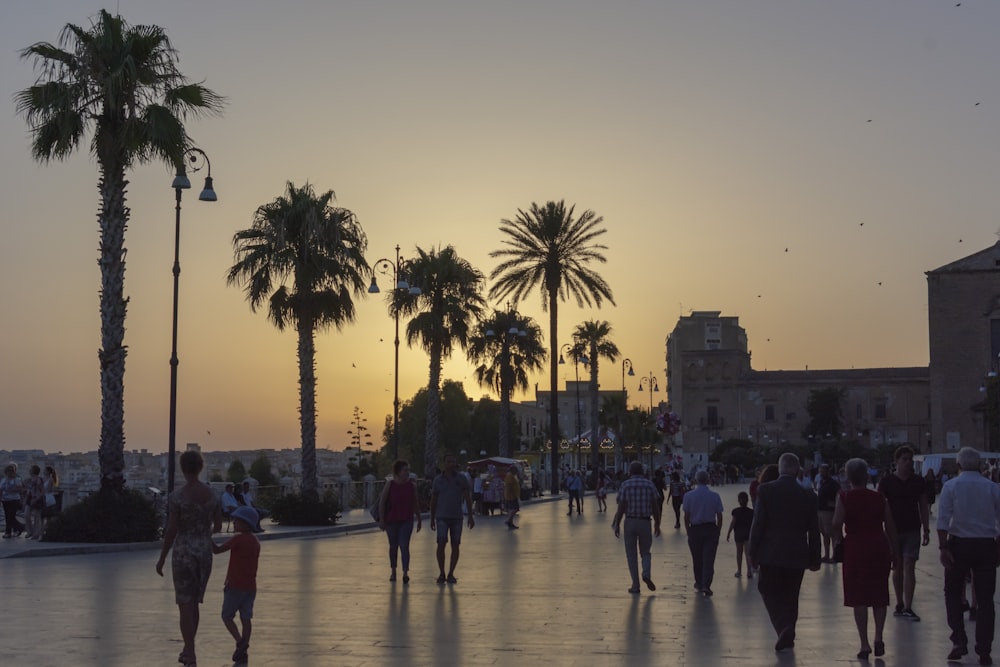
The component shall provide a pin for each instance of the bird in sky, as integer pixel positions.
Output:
(786, 249)
(353, 365)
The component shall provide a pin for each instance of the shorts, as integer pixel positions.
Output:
(826, 522)
(909, 545)
(449, 528)
(234, 600)
(602, 492)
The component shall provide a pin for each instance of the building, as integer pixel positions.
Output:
(713, 387)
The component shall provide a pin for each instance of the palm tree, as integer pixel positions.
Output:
(443, 314)
(509, 348)
(547, 247)
(321, 248)
(591, 338)
(121, 83)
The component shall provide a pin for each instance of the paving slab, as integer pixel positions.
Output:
(553, 592)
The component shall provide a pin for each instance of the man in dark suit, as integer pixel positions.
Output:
(784, 541)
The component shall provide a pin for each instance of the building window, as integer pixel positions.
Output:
(769, 413)
(880, 410)
(712, 416)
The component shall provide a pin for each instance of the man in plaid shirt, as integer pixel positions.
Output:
(638, 499)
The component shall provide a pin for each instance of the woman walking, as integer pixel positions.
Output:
(194, 514)
(398, 508)
(34, 502)
(676, 490)
(869, 553)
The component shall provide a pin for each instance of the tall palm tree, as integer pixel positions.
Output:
(321, 248)
(443, 314)
(120, 83)
(591, 338)
(548, 247)
(507, 350)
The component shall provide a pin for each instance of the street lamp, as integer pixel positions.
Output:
(650, 382)
(198, 160)
(511, 328)
(626, 363)
(577, 359)
(386, 266)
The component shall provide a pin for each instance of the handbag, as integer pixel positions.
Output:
(374, 509)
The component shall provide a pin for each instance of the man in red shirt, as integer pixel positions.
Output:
(241, 578)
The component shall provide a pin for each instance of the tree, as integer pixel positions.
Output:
(455, 422)
(302, 237)
(260, 470)
(236, 472)
(825, 415)
(547, 247)
(507, 349)
(591, 338)
(120, 83)
(614, 409)
(442, 316)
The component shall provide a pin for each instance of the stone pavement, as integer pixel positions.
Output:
(553, 592)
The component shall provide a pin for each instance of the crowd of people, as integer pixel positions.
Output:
(35, 499)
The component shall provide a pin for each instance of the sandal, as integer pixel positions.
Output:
(440, 579)
(452, 579)
(406, 578)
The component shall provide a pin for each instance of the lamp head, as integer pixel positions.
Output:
(373, 288)
(181, 181)
(208, 194)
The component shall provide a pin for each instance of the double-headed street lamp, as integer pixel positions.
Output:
(198, 160)
(577, 360)
(386, 267)
(650, 383)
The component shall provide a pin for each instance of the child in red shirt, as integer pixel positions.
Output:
(241, 578)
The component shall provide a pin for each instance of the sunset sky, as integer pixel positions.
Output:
(797, 163)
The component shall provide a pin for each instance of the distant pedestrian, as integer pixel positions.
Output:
(703, 522)
(784, 541)
(739, 530)
(250, 501)
(448, 491)
(399, 508)
(193, 515)
(967, 528)
(907, 496)
(51, 479)
(11, 492)
(601, 490)
(637, 502)
(827, 489)
(677, 489)
(34, 502)
(870, 549)
(241, 579)
(511, 496)
(574, 486)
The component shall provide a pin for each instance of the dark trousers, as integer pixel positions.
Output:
(703, 541)
(779, 588)
(978, 556)
(12, 525)
(574, 496)
(399, 533)
(677, 502)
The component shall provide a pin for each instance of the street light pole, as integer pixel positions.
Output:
(650, 382)
(576, 368)
(387, 266)
(198, 160)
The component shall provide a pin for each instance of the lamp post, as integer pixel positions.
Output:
(620, 452)
(386, 266)
(198, 160)
(650, 383)
(511, 328)
(577, 358)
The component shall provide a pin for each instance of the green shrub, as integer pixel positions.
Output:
(294, 510)
(123, 515)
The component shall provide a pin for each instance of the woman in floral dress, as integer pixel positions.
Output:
(194, 514)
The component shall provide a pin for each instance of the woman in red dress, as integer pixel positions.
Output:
(869, 552)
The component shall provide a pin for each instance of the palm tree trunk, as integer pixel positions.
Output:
(554, 385)
(113, 220)
(505, 383)
(433, 431)
(307, 406)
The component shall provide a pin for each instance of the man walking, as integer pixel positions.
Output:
(574, 485)
(968, 526)
(448, 492)
(703, 521)
(784, 541)
(637, 501)
(908, 502)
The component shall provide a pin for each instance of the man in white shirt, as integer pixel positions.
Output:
(229, 502)
(968, 527)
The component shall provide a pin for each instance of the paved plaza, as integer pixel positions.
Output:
(553, 592)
